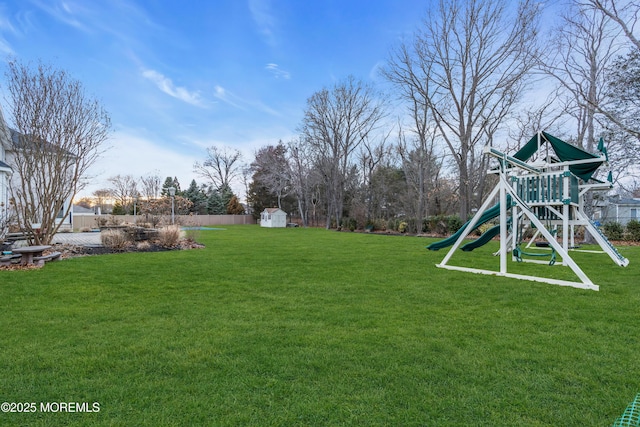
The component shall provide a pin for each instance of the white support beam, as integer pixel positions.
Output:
(579, 285)
(511, 160)
(471, 225)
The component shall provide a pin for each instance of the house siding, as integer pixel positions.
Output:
(622, 211)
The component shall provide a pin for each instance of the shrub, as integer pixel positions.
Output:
(377, 224)
(154, 220)
(113, 220)
(438, 224)
(402, 227)
(454, 223)
(169, 236)
(392, 224)
(193, 233)
(115, 239)
(143, 246)
(412, 226)
(484, 228)
(579, 232)
(613, 230)
(349, 223)
(633, 230)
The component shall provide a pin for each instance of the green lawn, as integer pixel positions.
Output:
(284, 327)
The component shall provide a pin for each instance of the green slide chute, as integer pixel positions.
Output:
(488, 215)
(482, 240)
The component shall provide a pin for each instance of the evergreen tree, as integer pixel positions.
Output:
(215, 204)
(171, 182)
(176, 184)
(260, 197)
(218, 201)
(226, 195)
(165, 187)
(197, 197)
(118, 209)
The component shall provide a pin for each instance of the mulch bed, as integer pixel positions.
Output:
(72, 251)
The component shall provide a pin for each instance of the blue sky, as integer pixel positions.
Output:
(178, 77)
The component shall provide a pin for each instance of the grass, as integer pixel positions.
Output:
(284, 327)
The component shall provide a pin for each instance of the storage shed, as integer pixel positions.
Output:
(273, 217)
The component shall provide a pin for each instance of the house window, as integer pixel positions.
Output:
(634, 213)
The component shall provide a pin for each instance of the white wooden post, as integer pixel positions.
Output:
(503, 222)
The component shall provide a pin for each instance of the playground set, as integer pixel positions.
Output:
(542, 187)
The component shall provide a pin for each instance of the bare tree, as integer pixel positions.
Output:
(221, 167)
(57, 134)
(101, 198)
(6, 219)
(587, 45)
(624, 13)
(548, 115)
(468, 65)
(416, 139)
(151, 185)
(272, 169)
(124, 189)
(335, 123)
(421, 166)
(373, 153)
(300, 163)
(586, 48)
(623, 135)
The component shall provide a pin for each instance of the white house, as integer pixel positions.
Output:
(273, 217)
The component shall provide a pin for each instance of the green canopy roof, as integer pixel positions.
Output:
(565, 152)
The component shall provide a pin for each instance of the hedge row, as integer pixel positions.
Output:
(438, 224)
(616, 231)
(449, 224)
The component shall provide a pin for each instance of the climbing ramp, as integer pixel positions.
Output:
(631, 415)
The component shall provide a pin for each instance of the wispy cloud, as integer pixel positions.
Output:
(122, 19)
(5, 27)
(264, 18)
(243, 104)
(5, 47)
(124, 157)
(277, 72)
(225, 96)
(167, 86)
(64, 11)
